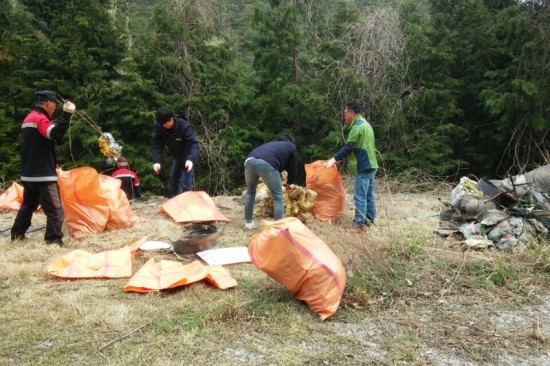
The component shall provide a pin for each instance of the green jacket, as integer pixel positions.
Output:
(360, 146)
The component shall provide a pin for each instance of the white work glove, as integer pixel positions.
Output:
(188, 166)
(156, 168)
(330, 163)
(69, 107)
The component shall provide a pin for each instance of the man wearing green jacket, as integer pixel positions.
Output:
(361, 149)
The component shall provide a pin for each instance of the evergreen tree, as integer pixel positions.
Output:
(189, 55)
(451, 87)
(15, 96)
(291, 92)
(75, 51)
(516, 93)
(433, 113)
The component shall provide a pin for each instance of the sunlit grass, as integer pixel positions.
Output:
(407, 291)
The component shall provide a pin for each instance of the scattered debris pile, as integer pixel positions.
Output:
(108, 147)
(299, 200)
(499, 213)
(197, 237)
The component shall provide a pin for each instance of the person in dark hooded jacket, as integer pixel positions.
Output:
(38, 166)
(176, 133)
(266, 162)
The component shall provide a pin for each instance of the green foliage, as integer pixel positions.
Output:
(517, 87)
(434, 125)
(195, 70)
(9, 162)
(499, 274)
(293, 81)
(277, 76)
(447, 85)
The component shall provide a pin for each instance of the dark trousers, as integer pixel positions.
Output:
(180, 179)
(45, 194)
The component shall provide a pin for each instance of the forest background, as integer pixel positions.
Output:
(451, 87)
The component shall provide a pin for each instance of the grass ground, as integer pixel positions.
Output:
(411, 298)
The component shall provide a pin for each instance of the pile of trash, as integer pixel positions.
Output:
(298, 201)
(108, 147)
(499, 213)
(323, 197)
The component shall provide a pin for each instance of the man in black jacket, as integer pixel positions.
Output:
(177, 134)
(38, 166)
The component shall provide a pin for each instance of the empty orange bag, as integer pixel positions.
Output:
(163, 275)
(327, 182)
(109, 264)
(287, 251)
(193, 207)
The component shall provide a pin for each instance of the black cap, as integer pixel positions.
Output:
(47, 95)
(163, 115)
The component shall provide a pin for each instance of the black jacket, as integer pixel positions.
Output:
(281, 155)
(180, 140)
(40, 136)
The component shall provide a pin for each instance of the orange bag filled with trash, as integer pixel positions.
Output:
(327, 182)
(121, 215)
(287, 251)
(93, 203)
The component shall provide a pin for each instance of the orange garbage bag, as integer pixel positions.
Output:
(81, 264)
(12, 198)
(93, 203)
(287, 251)
(163, 275)
(193, 207)
(327, 182)
(121, 215)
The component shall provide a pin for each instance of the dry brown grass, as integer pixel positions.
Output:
(411, 298)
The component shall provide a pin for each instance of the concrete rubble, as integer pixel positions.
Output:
(499, 213)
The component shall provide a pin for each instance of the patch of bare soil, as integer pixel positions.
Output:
(461, 327)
